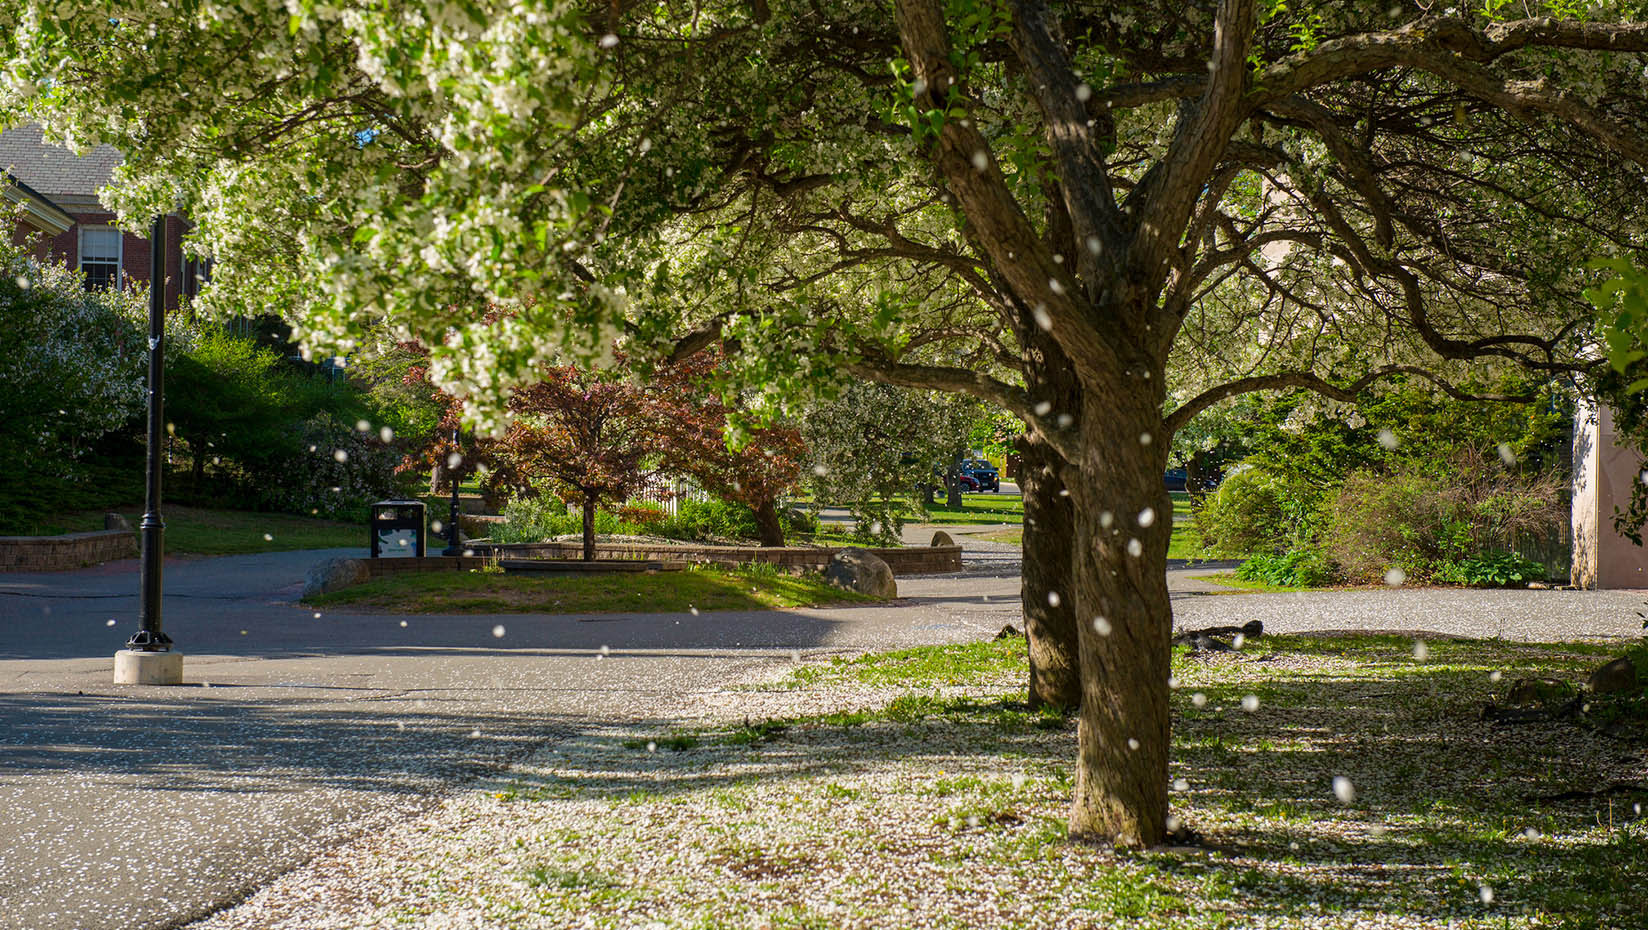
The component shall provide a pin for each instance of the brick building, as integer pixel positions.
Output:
(61, 218)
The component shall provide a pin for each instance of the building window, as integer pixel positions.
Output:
(100, 257)
(196, 272)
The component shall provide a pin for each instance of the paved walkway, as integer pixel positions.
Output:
(144, 807)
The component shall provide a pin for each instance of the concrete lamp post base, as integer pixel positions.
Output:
(134, 667)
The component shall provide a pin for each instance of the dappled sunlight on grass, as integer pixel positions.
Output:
(638, 592)
(924, 766)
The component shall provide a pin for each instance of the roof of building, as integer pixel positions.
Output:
(38, 209)
(53, 169)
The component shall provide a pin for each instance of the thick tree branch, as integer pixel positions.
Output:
(1166, 197)
(1009, 397)
(1310, 381)
(995, 220)
(1084, 182)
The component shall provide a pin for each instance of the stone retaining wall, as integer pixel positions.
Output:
(71, 550)
(911, 561)
(379, 568)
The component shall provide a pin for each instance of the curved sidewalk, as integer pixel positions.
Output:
(142, 807)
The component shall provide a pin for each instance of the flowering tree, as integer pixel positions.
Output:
(1075, 212)
(70, 361)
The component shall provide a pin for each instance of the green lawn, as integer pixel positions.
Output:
(977, 509)
(1244, 586)
(1331, 782)
(484, 592)
(203, 531)
(1185, 543)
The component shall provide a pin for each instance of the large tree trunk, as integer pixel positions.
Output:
(952, 490)
(437, 479)
(1123, 518)
(1048, 591)
(767, 523)
(589, 527)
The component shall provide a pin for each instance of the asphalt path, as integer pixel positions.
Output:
(146, 807)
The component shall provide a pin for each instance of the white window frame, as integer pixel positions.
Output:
(119, 253)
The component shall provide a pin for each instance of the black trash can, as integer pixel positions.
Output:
(398, 529)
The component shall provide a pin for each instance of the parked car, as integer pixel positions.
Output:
(983, 473)
(967, 482)
(1175, 479)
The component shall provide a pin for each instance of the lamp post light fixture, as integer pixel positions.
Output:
(454, 539)
(148, 658)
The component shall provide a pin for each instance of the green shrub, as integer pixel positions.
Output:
(1493, 570)
(709, 519)
(1300, 568)
(1454, 522)
(535, 519)
(1253, 511)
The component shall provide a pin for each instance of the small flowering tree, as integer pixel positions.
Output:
(750, 465)
(585, 433)
(71, 362)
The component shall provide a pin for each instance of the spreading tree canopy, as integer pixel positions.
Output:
(1103, 217)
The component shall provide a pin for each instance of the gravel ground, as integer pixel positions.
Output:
(1539, 616)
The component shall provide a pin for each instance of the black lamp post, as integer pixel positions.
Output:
(149, 637)
(454, 540)
(148, 658)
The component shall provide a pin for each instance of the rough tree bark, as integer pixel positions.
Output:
(1123, 519)
(589, 526)
(1049, 524)
(1047, 590)
(769, 527)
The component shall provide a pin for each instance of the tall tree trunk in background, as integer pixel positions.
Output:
(589, 527)
(767, 523)
(952, 488)
(1123, 518)
(1048, 591)
(437, 478)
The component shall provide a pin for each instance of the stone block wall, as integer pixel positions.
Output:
(71, 550)
(380, 568)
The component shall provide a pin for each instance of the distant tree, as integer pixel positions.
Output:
(875, 447)
(583, 432)
(750, 465)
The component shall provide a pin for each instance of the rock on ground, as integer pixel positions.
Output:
(863, 571)
(1618, 675)
(329, 575)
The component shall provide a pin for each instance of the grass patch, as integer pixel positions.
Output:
(914, 788)
(206, 531)
(1244, 586)
(1010, 537)
(664, 592)
(919, 668)
(975, 510)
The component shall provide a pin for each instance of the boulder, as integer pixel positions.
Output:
(1535, 691)
(1618, 675)
(329, 575)
(114, 521)
(942, 538)
(861, 570)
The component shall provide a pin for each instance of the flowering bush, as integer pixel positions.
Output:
(71, 362)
